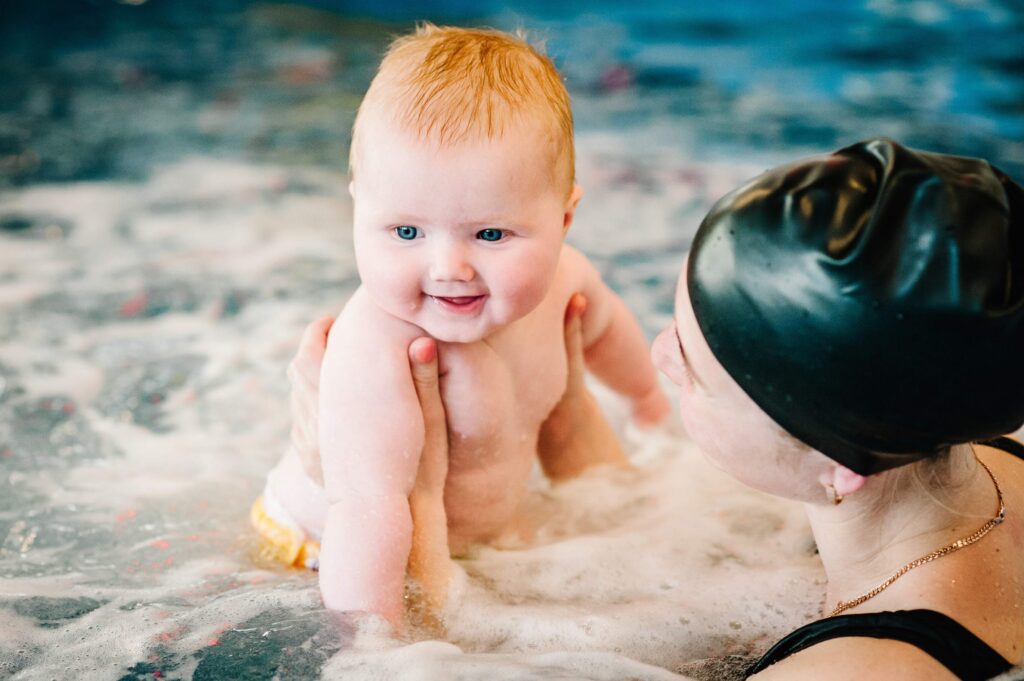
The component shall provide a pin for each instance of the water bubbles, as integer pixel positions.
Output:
(40, 226)
(136, 386)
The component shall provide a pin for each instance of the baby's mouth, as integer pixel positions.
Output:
(460, 304)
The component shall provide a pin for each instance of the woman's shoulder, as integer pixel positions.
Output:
(907, 643)
(1011, 445)
(855, 659)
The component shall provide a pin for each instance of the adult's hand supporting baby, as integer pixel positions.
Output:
(304, 376)
(576, 435)
(429, 562)
(429, 558)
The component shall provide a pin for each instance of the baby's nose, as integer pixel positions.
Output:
(450, 263)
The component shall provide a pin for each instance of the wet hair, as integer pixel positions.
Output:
(451, 85)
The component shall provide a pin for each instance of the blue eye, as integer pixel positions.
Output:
(406, 232)
(490, 234)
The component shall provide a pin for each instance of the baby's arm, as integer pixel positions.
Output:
(371, 437)
(615, 348)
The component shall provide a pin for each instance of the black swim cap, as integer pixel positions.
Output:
(871, 301)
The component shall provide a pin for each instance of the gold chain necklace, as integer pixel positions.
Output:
(938, 553)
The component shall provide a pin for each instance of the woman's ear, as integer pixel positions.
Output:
(570, 207)
(842, 480)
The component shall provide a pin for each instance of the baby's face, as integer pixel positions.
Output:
(459, 241)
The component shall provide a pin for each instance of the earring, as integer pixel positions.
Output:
(830, 493)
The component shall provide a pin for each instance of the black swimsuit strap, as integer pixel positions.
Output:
(942, 637)
(1007, 445)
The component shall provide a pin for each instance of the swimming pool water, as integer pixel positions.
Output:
(173, 211)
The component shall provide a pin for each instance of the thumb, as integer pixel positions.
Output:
(423, 359)
(574, 338)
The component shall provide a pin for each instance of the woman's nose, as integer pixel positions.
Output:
(450, 263)
(666, 356)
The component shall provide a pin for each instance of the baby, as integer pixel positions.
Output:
(463, 187)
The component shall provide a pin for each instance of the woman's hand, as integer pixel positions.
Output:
(429, 562)
(429, 558)
(576, 435)
(304, 375)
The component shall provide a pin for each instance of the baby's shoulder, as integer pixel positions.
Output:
(363, 326)
(575, 271)
(572, 275)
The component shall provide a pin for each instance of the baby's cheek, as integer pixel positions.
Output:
(393, 288)
(526, 284)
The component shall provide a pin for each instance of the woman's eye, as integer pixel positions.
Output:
(406, 232)
(490, 234)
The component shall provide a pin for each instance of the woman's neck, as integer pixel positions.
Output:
(899, 516)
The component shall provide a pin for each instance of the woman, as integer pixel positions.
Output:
(845, 328)
(848, 331)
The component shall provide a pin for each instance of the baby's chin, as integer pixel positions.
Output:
(465, 330)
(452, 328)
(457, 333)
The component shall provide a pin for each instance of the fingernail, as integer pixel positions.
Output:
(424, 350)
(579, 303)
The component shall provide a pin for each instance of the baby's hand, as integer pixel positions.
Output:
(651, 409)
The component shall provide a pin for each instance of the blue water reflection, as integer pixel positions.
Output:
(106, 89)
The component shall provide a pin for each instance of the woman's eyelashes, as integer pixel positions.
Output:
(684, 369)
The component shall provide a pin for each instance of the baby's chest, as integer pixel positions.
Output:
(503, 390)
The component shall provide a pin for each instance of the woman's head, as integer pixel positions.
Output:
(871, 302)
(728, 426)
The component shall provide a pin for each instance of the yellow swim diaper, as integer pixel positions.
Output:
(282, 543)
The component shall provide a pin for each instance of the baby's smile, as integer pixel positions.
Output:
(461, 305)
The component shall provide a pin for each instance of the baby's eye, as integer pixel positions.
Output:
(490, 234)
(406, 232)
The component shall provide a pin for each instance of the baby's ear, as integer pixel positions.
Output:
(570, 207)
